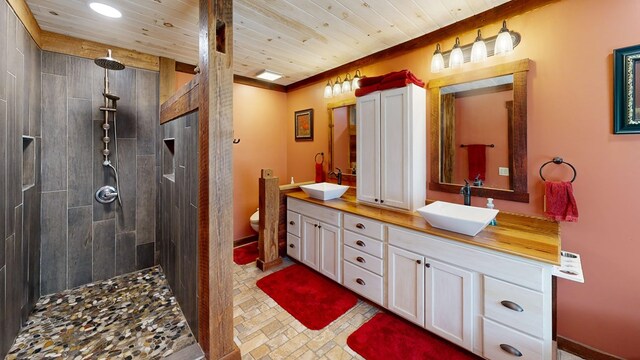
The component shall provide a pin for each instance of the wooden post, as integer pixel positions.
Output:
(269, 206)
(167, 78)
(215, 179)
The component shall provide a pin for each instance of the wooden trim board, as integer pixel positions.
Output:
(25, 15)
(582, 350)
(184, 101)
(167, 79)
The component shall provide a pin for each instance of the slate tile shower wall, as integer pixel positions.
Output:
(178, 199)
(83, 240)
(19, 180)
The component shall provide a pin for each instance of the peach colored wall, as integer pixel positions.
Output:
(570, 115)
(259, 118)
(182, 78)
(341, 139)
(483, 119)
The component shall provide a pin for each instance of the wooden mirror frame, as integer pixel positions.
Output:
(517, 130)
(348, 178)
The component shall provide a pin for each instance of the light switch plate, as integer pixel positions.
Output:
(503, 171)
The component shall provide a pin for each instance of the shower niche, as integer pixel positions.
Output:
(168, 161)
(28, 162)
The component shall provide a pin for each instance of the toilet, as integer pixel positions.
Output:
(254, 220)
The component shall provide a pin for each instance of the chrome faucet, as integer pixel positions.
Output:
(466, 192)
(338, 175)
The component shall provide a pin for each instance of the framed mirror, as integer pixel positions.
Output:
(342, 138)
(479, 132)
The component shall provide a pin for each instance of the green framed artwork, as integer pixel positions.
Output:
(626, 90)
(303, 123)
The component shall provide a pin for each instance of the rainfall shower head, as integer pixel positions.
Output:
(108, 62)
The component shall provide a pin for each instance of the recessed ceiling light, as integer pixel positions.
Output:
(105, 10)
(269, 75)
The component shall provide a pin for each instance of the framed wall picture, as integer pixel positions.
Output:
(626, 90)
(303, 123)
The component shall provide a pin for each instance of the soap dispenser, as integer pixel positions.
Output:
(491, 206)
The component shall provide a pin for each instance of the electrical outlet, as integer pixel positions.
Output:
(503, 171)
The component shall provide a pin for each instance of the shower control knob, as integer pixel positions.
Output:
(106, 194)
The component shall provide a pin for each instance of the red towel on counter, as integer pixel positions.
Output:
(560, 205)
(477, 156)
(320, 177)
(362, 91)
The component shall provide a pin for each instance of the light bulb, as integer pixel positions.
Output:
(337, 88)
(504, 42)
(456, 58)
(328, 90)
(355, 84)
(478, 50)
(346, 84)
(437, 61)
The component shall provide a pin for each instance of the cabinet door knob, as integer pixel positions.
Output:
(361, 243)
(319, 226)
(360, 281)
(376, 200)
(315, 225)
(427, 265)
(511, 305)
(419, 261)
(292, 222)
(291, 246)
(360, 259)
(381, 201)
(511, 350)
(360, 226)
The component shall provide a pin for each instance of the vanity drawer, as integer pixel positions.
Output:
(293, 246)
(363, 226)
(363, 282)
(363, 243)
(363, 260)
(503, 343)
(293, 223)
(324, 214)
(513, 305)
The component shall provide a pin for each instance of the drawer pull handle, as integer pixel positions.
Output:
(361, 260)
(292, 222)
(511, 305)
(361, 243)
(511, 350)
(360, 281)
(291, 246)
(360, 226)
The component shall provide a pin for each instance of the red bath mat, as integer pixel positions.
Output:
(386, 336)
(311, 298)
(245, 254)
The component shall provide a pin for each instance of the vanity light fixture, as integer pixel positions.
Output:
(504, 42)
(269, 75)
(355, 83)
(337, 86)
(479, 49)
(437, 62)
(457, 57)
(105, 10)
(328, 92)
(346, 84)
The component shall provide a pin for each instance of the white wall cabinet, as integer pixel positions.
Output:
(391, 143)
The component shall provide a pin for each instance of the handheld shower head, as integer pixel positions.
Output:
(109, 63)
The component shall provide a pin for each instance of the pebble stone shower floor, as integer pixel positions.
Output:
(133, 316)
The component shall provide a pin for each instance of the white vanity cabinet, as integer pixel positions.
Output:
(391, 142)
(319, 243)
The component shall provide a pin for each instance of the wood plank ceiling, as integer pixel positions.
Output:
(298, 38)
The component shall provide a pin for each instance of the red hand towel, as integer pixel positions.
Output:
(370, 80)
(477, 161)
(367, 90)
(560, 205)
(319, 173)
(398, 84)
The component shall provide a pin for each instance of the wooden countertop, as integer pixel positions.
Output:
(526, 236)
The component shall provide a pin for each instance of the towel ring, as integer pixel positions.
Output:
(558, 160)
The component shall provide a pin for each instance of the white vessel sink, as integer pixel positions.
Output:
(324, 191)
(468, 220)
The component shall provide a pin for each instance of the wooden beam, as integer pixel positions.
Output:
(239, 79)
(498, 13)
(25, 15)
(167, 78)
(90, 49)
(215, 179)
(269, 206)
(184, 101)
(185, 68)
